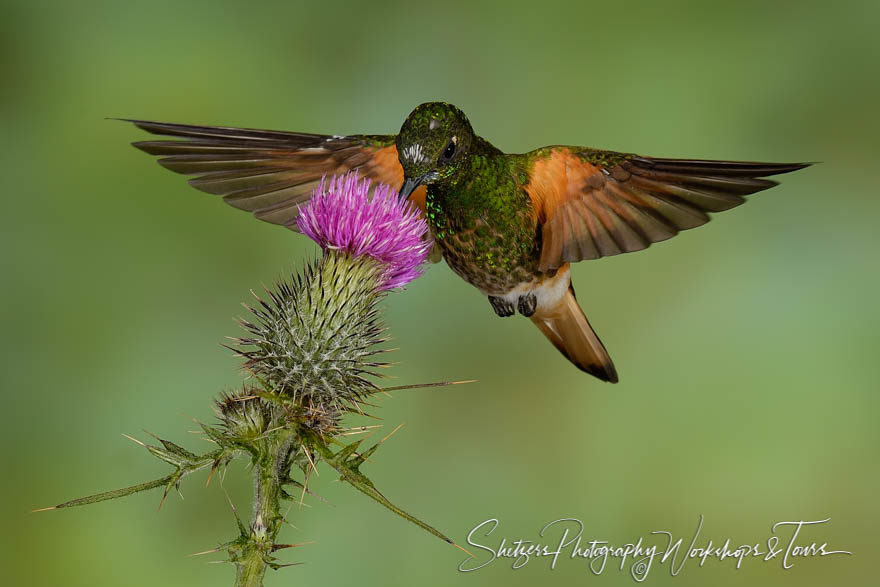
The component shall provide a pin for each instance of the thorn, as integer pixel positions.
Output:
(284, 517)
(290, 524)
(421, 385)
(369, 404)
(171, 483)
(54, 507)
(371, 432)
(211, 474)
(370, 416)
(162, 501)
(133, 439)
(310, 492)
(360, 430)
(271, 430)
(391, 433)
(287, 565)
(229, 500)
(461, 549)
(308, 456)
(302, 495)
(218, 549)
(276, 547)
(241, 527)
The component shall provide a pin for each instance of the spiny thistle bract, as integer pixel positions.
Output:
(311, 347)
(247, 416)
(313, 340)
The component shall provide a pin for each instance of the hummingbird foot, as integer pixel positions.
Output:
(527, 304)
(501, 306)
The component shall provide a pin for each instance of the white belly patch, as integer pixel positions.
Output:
(548, 292)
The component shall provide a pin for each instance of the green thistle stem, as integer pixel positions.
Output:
(251, 571)
(252, 552)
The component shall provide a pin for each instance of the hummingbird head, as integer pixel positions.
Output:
(432, 144)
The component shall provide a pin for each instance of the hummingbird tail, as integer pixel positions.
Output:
(566, 326)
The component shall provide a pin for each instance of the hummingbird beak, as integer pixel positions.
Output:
(409, 186)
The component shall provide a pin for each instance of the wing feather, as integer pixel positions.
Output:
(270, 173)
(595, 204)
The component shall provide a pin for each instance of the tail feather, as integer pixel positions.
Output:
(566, 326)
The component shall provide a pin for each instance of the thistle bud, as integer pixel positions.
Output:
(244, 415)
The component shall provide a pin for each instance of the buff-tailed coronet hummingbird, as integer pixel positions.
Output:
(508, 224)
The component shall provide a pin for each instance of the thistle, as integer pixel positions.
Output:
(380, 230)
(311, 347)
(313, 342)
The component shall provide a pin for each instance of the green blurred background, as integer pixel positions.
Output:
(747, 349)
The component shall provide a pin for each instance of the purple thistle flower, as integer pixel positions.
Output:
(342, 216)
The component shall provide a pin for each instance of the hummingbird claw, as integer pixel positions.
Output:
(501, 306)
(527, 304)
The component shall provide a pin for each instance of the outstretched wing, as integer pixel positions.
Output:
(270, 173)
(593, 204)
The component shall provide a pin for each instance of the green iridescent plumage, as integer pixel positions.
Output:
(483, 221)
(477, 207)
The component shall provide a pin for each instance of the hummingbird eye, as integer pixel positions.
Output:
(449, 151)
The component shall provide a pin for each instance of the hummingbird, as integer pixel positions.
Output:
(510, 224)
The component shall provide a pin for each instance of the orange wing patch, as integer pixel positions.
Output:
(554, 178)
(269, 173)
(589, 209)
(384, 167)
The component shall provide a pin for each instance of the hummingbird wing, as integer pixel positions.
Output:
(593, 203)
(270, 173)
